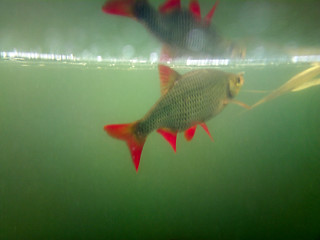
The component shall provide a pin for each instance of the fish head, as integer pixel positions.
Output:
(235, 83)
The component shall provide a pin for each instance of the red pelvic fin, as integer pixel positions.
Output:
(169, 6)
(205, 127)
(189, 133)
(209, 16)
(170, 136)
(120, 7)
(126, 133)
(167, 78)
(194, 8)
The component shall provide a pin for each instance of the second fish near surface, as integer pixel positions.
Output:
(183, 32)
(187, 100)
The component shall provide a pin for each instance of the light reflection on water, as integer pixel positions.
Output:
(152, 61)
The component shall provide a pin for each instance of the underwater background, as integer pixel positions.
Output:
(67, 69)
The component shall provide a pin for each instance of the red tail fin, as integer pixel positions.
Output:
(120, 7)
(126, 133)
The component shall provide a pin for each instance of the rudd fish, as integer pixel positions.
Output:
(183, 32)
(187, 101)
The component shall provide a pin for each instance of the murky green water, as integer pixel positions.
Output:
(63, 177)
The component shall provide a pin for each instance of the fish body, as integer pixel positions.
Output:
(182, 31)
(195, 98)
(187, 101)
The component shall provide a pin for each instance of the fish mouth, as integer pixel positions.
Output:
(241, 80)
(235, 84)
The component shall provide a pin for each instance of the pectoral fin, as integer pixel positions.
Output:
(241, 104)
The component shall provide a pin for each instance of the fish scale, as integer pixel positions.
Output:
(195, 98)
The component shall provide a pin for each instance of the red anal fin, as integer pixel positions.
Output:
(169, 6)
(194, 8)
(205, 127)
(125, 132)
(170, 136)
(209, 16)
(120, 7)
(189, 133)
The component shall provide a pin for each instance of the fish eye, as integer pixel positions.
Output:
(238, 80)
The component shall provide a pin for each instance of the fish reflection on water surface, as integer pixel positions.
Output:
(183, 32)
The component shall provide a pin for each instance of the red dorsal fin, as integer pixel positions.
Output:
(120, 7)
(170, 136)
(169, 6)
(126, 133)
(204, 126)
(209, 16)
(189, 133)
(194, 8)
(167, 78)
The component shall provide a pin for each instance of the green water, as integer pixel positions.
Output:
(63, 177)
